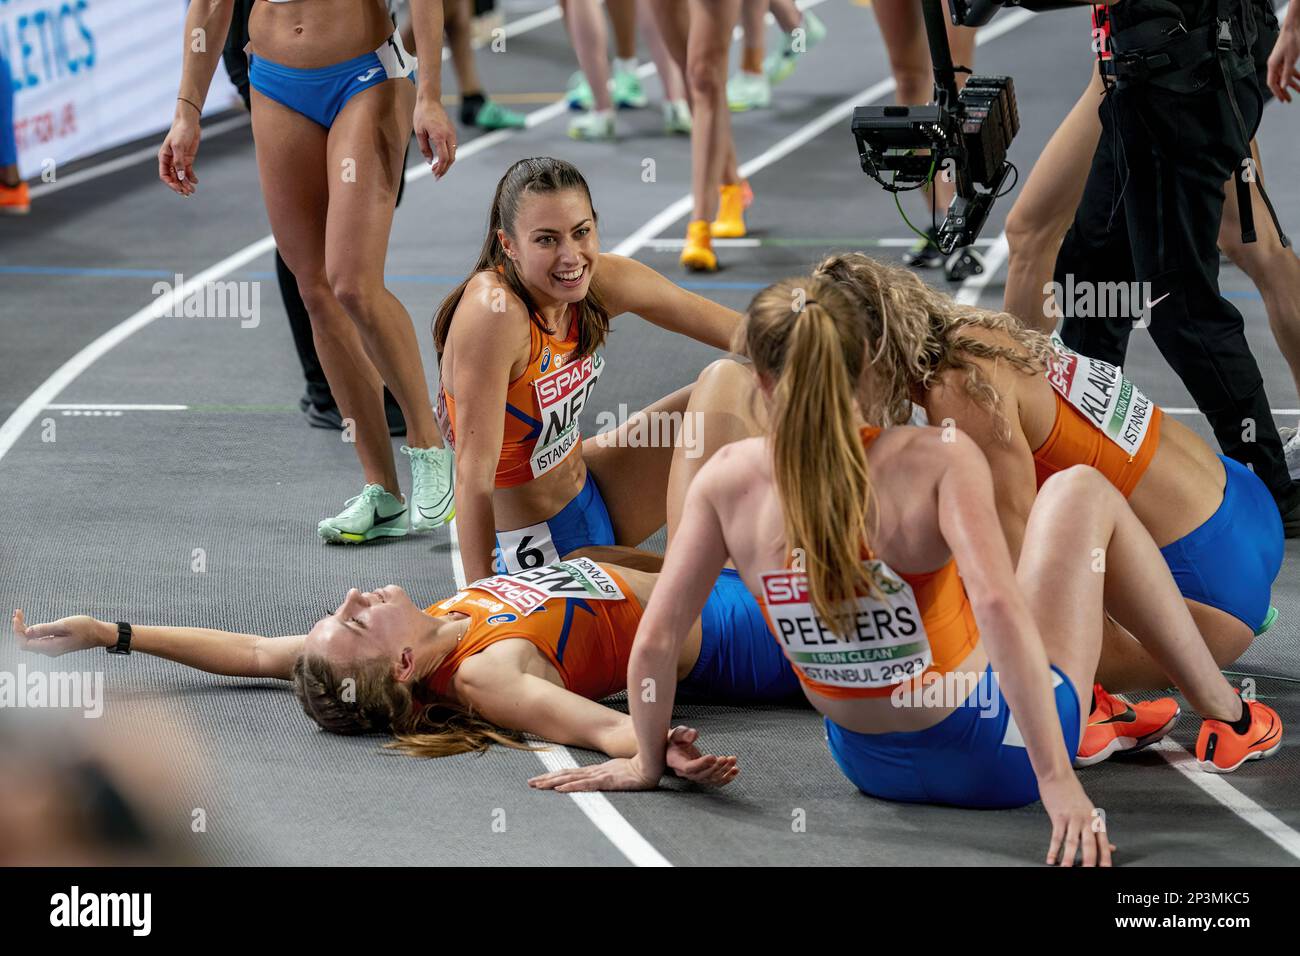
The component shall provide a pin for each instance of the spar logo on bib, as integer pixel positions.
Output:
(561, 395)
(884, 643)
(1100, 392)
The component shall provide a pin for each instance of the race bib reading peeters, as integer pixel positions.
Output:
(1100, 392)
(885, 642)
(561, 395)
(528, 590)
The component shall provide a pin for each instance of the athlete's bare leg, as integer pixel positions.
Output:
(708, 46)
(1043, 211)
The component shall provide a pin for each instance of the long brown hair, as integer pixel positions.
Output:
(365, 698)
(527, 177)
(806, 339)
(915, 334)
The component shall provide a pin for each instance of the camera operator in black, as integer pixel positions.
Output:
(1182, 104)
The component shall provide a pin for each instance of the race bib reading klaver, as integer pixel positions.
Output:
(561, 395)
(529, 590)
(1102, 395)
(885, 641)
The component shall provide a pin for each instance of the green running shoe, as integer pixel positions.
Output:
(579, 93)
(778, 66)
(677, 118)
(493, 116)
(592, 126)
(748, 91)
(372, 514)
(433, 487)
(628, 94)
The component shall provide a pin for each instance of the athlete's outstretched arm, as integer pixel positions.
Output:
(692, 565)
(217, 652)
(968, 521)
(630, 286)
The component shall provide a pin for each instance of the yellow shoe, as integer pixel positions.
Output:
(697, 254)
(730, 223)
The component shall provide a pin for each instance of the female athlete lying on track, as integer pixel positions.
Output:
(910, 629)
(1035, 408)
(518, 343)
(522, 653)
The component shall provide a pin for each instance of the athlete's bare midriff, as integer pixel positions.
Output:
(312, 34)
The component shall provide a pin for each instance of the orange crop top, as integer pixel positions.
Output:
(1102, 420)
(542, 408)
(925, 624)
(588, 639)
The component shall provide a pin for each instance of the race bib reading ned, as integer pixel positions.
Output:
(529, 590)
(1102, 395)
(561, 395)
(885, 640)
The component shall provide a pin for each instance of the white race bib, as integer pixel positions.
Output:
(1101, 393)
(885, 642)
(561, 395)
(528, 590)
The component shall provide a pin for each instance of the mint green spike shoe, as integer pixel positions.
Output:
(433, 487)
(494, 116)
(372, 514)
(748, 91)
(779, 65)
(578, 93)
(628, 93)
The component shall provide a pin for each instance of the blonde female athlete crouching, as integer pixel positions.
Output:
(891, 517)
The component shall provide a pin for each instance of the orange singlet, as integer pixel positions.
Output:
(542, 408)
(924, 624)
(1102, 420)
(587, 639)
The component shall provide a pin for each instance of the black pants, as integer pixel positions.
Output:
(1150, 213)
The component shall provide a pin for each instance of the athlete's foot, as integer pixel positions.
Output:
(697, 253)
(1223, 747)
(372, 514)
(1116, 726)
(433, 497)
(748, 91)
(730, 223)
(627, 91)
(579, 95)
(595, 126)
(493, 116)
(15, 200)
(746, 193)
(677, 118)
(925, 253)
(779, 65)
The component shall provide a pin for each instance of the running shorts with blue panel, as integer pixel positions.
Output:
(739, 662)
(583, 522)
(1231, 560)
(974, 757)
(321, 94)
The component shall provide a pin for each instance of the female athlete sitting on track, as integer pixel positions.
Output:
(518, 345)
(1035, 408)
(526, 653)
(910, 629)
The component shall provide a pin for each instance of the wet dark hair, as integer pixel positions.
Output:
(527, 177)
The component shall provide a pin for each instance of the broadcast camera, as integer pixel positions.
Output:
(964, 136)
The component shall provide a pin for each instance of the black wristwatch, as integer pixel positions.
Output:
(123, 645)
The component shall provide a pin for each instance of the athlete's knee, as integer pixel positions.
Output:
(1078, 487)
(702, 77)
(723, 375)
(358, 295)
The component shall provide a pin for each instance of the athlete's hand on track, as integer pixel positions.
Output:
(435, 134)
(621, 773)
(59, 637)
(1075, 823)
(687, 762)
(1282, 73)
(176, 157)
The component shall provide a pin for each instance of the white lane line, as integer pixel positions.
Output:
(668, 245)
(130, 159)
(62, 377)
(86, 406)
(1197, 411)
(836, 114)
(596, 806)
(1232, 798)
